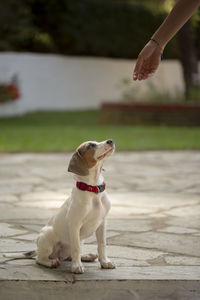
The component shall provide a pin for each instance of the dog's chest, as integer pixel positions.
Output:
(98, 210)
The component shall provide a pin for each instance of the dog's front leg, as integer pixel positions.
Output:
(101, 242)
(78, 212)
(77, 266)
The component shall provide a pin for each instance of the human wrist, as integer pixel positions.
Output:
(157, 43)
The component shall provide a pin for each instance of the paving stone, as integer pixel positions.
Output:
(192, 221)
(29, 222)
(12, 172)
(185, 211)
(101, 290)
(2, 259)
(173, 243)
(8, 198)
(61, 184)
(15, 188)
(24, 180)
(42, 204)
(93, 239)
(28, 237)
(32, 227)
(7, 230)
(21, 262)
(126, 210)
(11, 245)
(44, 195)
(183, 260)
(33, 272)
(121, 262)
(129, 225)
(157, 215)
(48, 171)
(178, 230)
(7, 212)
(126, 252)
(18, 158)
(139, 273)
(145, 203)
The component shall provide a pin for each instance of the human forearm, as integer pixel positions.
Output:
(178, 16)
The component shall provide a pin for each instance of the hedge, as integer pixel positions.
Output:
(100, 27)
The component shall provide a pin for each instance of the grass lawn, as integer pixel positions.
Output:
(64, 131)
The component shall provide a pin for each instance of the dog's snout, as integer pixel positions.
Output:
(110, 142)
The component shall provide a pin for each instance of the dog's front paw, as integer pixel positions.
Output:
(107, 264)
(77, 269)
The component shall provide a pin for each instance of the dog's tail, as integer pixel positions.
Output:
(29, 254)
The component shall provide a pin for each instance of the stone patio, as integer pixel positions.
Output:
(153, 228)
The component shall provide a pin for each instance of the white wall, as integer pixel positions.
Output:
(55, 82)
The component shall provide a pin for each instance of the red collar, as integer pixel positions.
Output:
(91, 188)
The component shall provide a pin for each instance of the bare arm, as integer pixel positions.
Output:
(149, 58)
(178, 16)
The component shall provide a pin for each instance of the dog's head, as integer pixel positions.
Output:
(88, 155)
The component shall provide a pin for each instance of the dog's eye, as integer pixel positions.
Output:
(91, 146)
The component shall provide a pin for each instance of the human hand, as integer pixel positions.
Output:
(148, 61)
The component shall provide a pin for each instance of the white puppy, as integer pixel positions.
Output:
(82, 214)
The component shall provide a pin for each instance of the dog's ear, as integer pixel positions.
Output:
(77, 165)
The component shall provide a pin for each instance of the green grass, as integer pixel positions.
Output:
(64, 131)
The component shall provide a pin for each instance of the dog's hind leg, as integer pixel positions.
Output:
(86, 257)
(45, 251)
(89, 257)
(51, 263)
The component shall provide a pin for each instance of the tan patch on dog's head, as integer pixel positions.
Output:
(83, 159)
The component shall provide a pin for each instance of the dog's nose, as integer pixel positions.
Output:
(110, 142)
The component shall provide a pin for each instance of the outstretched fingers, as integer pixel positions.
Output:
(138, 67)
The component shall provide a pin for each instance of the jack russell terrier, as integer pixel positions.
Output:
(82, 214)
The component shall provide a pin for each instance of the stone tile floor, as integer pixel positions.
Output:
(153, 231)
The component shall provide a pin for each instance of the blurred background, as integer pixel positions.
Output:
(66, 76)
